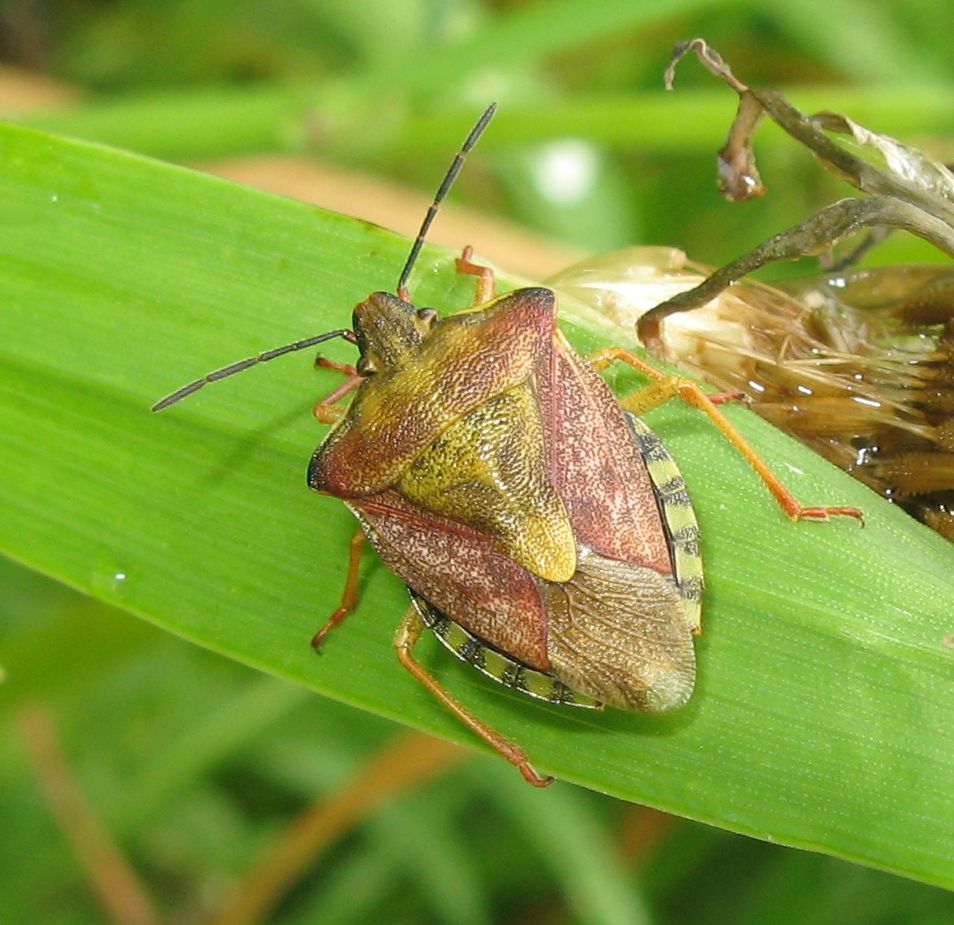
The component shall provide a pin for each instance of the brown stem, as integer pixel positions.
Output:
(406, 762)
(831, 224)
(114, 882)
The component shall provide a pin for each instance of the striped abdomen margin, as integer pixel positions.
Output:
(678, 518)
(502, 668)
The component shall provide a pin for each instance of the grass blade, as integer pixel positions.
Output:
(827, 674)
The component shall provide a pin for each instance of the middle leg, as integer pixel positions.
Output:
(664, 387)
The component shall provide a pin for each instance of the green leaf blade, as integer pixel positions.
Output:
(822, 711)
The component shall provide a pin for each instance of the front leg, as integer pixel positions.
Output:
(325, 411)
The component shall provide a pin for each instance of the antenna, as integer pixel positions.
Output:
(241, 365)
(345, 333)
(442, 191)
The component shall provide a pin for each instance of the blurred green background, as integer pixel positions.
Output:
(197, 767)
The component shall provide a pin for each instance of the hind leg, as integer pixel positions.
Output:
(407, 636)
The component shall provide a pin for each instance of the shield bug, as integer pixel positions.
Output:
(543, 530)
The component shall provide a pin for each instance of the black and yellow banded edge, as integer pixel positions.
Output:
(678, 516)
(503, 669)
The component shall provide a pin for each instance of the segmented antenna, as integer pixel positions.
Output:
(241, 365)
(442, 191)
(348, 335)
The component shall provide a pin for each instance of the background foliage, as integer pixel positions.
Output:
(195, 764)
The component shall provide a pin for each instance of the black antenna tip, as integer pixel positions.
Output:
(442, 191)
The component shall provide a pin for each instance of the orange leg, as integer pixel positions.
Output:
(324, 363)
(349, 597)
(325, 411)
(666, 387)
(407, 636)
(485, 276)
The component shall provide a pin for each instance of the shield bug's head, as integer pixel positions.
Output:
(388, 330)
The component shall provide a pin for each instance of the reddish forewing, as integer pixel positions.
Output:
(460, 571)
(595, 465)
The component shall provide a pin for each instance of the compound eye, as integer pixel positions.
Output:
(365, 367)
(427, 315)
